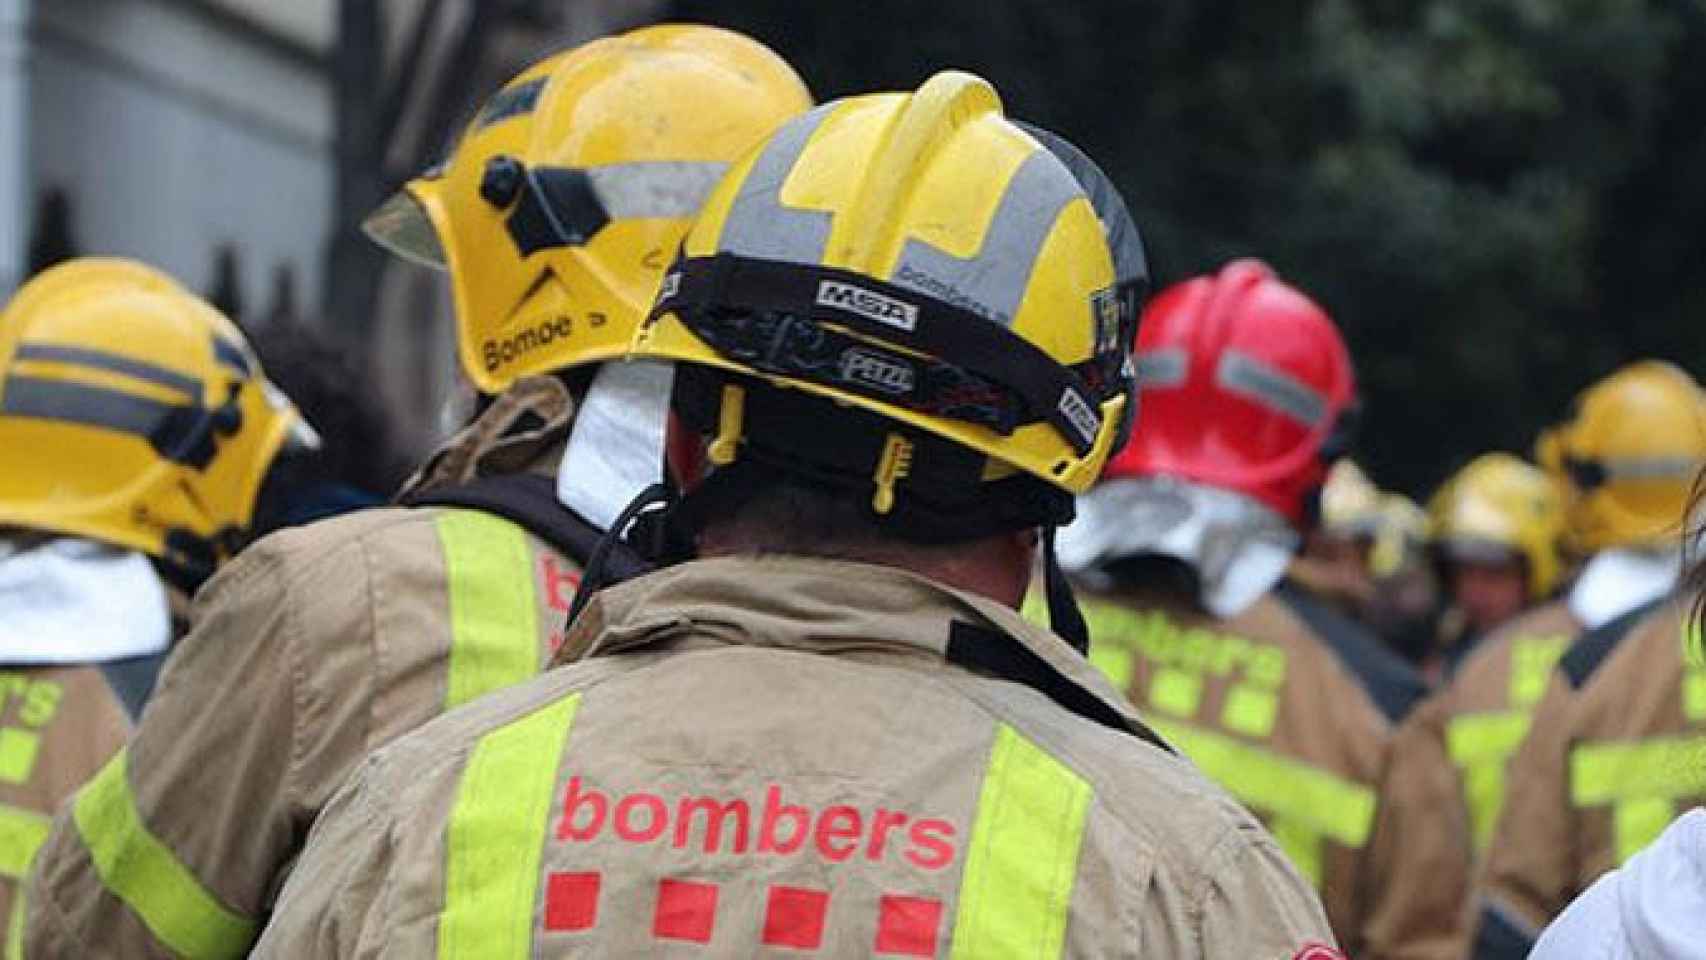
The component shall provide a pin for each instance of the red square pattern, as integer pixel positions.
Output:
(571, 901)
(908, 925)
(794, 918)
(685, 911)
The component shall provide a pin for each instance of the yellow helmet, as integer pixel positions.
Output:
(570, 191)
(1500, 506)
(1628, 456)
(134, 413)
(939, 277)
(1350, 502)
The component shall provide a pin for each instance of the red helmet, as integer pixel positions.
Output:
(1244, 384)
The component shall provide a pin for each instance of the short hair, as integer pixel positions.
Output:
(789, 516)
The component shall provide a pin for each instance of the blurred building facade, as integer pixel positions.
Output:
(212, 138)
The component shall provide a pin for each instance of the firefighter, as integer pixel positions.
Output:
(1245, 391)
(141, 441)
(900, 349)
(1335, 562)
(555, 215)
(1497, 527)
(1619, 726)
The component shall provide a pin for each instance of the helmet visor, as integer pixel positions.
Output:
(402, 226)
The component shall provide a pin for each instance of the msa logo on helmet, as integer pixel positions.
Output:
(500, 353)
(1080, 414)
(868, 304)
(880, 373)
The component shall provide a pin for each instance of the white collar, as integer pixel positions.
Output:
(70, 600)
(1618, 580)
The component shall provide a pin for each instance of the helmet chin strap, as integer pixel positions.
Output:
(1065, 619)
(594, 577)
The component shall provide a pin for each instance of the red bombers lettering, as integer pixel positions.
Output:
(836, 834)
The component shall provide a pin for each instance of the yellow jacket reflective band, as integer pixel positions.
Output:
(1667, 768)
(1023, 854)
(493, 613)
(139, 870)
(1480, 745)
(1337, 809)
(496, 836)
(21, 832)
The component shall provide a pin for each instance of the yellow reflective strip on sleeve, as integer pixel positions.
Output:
(138, 869)
(1670, 768)
(15, 927)
(496, 836)
(1338, 809)
(1302, 846)
(1637, 823)
(1023, 855)
(1532, 660)
(21, 833)
(1475, 737)
(494, 616)
(1694, 695)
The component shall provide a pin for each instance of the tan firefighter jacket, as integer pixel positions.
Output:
(1617, 751)
(1297, 726)
(828, 758)
(58, 725)
(1468, 732)
(309, 650)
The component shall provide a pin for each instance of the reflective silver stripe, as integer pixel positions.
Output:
(758, 225)
(116, 363)
(78, 403)
(1650, 468)
(992, 283)
(1161, 368)
(660, 190)
(1275, 389)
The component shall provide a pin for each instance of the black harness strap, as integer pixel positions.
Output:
(998, 655)
(529, 500)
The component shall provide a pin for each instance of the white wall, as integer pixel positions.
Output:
(175, 132)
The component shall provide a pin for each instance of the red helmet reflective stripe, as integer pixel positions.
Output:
(1242, 381)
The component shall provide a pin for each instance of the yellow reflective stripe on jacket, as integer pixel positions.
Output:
(1669, 767)
(21, 833)
(138, 869)
(1338, 809)
(1482, 745)
(1641, 782)
(1023, 854)
(494, 617)
(496, 836)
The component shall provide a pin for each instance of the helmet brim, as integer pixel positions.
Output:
(403, 227)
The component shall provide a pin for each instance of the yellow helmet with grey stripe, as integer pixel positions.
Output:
(904, 295)
(134, 413)
(569, 192)
(1628, 456)
(1499, 508)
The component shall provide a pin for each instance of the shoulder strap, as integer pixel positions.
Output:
(995, 654)
(1390, 682)
(1593, 647)
(529, 500)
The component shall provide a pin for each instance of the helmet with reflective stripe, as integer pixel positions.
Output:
(1628, 455)
(134, 413)
(1499, 508)
(908, 295)
(570, 191)
(1245, 385)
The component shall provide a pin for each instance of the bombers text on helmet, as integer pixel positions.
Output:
(571, 189)
(134, 413)
(1499, 507)
(1245, 385)
(905, 295)
(1628, 455)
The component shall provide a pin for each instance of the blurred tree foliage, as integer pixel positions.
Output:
(1499, 200)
